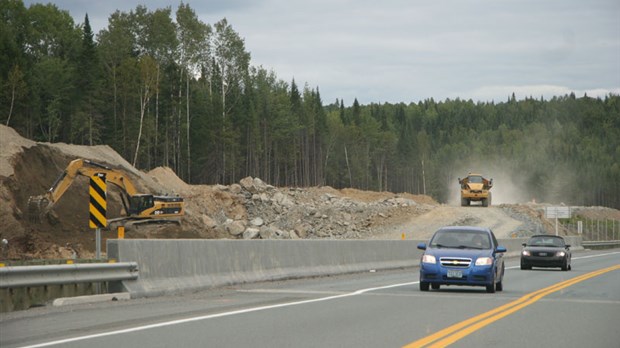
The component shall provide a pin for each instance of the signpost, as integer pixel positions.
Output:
(557, 213)
(97, 207)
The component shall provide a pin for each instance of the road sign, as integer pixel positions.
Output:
(557, 212)
(98, 204)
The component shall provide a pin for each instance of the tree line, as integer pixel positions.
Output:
(165, 89)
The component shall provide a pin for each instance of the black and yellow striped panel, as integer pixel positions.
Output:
(98, 204)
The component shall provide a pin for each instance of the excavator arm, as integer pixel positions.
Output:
(87, 168)
(42, 204)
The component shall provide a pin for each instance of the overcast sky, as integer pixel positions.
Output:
(407, 50)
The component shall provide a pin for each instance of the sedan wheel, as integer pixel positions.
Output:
(524, 266)
(435, 286)
(565, 265)
(424, 286)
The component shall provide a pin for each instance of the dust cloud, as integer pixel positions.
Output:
(549, 185)
(509, 187)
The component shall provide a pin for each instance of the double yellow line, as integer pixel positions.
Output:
(457, 331)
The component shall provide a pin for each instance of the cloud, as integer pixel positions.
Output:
(406, 51)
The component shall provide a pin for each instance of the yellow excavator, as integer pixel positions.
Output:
(138, 207)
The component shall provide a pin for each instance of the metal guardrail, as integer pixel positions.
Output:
(600, 243)
(25, 276)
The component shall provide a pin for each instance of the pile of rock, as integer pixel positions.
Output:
(293, 213)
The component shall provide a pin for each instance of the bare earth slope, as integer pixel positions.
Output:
(250, 209)
(424, 225)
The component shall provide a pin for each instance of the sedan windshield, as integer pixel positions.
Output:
(461, 240)
(546, 242)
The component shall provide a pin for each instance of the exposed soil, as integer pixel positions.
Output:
(249, 209)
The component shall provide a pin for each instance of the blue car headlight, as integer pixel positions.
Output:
(484, 261)
(428, 259)
(560, 253)
(526, 253)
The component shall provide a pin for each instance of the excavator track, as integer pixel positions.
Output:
(129, 222)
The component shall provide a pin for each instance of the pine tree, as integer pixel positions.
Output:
(88, 123)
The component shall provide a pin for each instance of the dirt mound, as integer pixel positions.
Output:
(597, 213)
(370, 196)
(169, 179)
(29, 168)
(11, 143)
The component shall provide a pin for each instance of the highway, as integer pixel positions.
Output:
(540, 307)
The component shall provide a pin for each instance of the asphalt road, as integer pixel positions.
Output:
(541, 307)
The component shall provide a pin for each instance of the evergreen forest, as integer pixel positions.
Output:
(162, 88)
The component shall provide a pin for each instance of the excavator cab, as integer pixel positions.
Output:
(147, 206)
(140, 203)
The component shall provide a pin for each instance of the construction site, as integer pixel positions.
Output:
(250, 209)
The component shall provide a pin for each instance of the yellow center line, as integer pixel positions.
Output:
(457, 331)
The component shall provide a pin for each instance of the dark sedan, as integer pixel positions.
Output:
(546, 251)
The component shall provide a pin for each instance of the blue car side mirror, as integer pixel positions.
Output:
(422, 246)
(500, 249)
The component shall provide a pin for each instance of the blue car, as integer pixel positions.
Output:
(462, 255)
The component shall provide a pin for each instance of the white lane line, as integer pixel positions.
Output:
(212, 316)
(243, 311)
(291, 291)
(593, 256)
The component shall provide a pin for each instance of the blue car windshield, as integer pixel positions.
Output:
(461, 240)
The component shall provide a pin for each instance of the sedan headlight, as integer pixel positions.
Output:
(560, 253)
(484, 261)
(428, 259)
(525, 253)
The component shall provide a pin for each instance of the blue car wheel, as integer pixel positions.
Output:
(491, 288)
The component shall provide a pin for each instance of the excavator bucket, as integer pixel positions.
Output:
(37, 207)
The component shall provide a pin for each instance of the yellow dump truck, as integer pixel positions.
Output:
(475, 188)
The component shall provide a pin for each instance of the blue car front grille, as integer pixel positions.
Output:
(455, 262)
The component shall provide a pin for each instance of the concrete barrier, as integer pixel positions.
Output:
(169, 266)
(176, 265)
